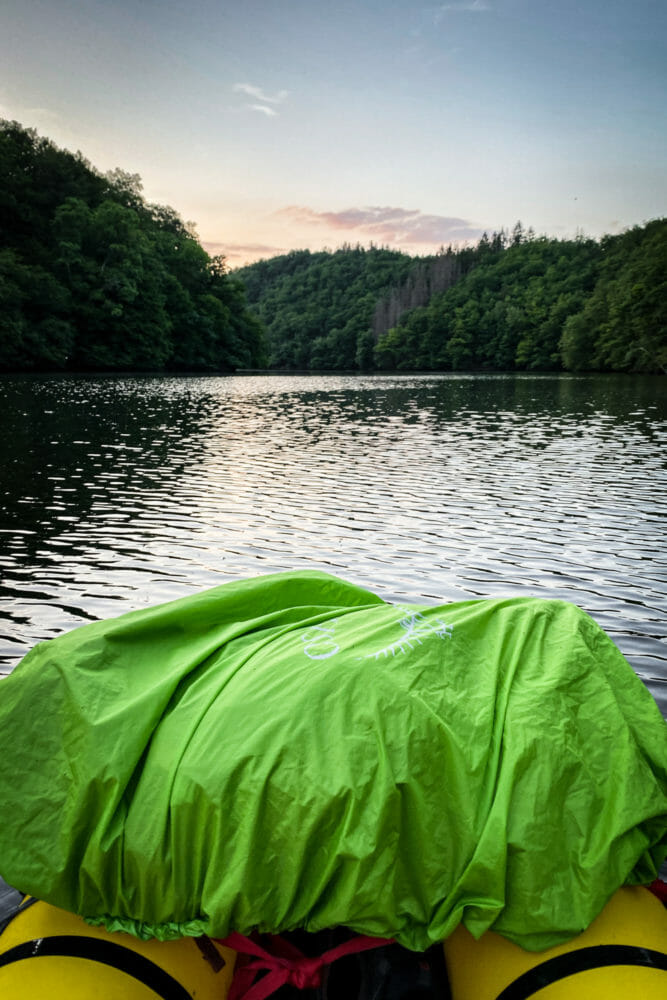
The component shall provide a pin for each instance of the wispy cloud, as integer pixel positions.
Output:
(472, 6)
(268, 101)
(264, 109)
(389, 224)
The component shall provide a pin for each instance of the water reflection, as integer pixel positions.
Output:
(120, 492)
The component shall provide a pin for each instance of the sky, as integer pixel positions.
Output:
(276, 125)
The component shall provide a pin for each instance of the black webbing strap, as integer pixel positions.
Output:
(581, 960)
(106, 953)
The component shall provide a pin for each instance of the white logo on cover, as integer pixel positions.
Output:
(416, 628)
(318, 640)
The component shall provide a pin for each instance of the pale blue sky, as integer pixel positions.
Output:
(276, 124)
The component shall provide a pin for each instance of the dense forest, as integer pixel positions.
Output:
(93, 278)
(514, 302)
(318, 308)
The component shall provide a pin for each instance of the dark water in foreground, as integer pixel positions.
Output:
(119, 492)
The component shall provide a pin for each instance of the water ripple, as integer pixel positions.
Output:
(121, 492)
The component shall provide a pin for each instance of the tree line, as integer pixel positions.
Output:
(94, 278)
(515, 301)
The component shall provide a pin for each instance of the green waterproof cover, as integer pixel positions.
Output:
(291, 751)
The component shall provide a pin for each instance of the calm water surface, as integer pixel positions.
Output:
(119, 492)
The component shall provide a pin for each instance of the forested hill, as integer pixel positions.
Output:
(92, 277)
(513, 302)
(318, 308)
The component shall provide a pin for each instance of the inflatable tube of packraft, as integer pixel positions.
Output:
(46, 952)
(622, 954)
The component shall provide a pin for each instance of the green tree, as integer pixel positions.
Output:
(92, 277)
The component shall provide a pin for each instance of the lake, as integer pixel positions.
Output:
(123, 491)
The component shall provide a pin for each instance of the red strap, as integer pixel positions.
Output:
(285, 964)
(659, 889)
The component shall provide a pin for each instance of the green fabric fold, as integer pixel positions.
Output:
(291, 751)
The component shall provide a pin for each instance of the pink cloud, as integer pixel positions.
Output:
(389, 224)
